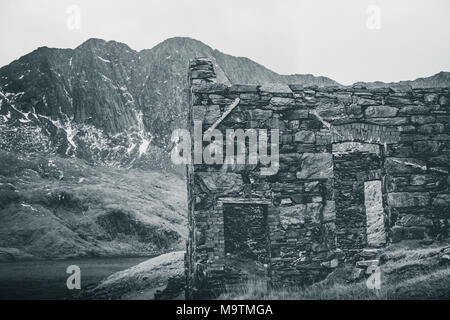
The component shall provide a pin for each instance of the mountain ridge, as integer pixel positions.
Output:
(105, 102)
(108, 103)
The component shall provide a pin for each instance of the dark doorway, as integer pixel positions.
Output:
(357, 175)
(246, 239)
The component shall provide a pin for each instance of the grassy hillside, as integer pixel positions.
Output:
(410, 270)
(53, 207)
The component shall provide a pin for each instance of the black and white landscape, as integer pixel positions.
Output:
(86, 176)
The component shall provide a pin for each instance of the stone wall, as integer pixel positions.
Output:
(358, 168)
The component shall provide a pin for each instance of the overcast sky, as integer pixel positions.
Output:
(348, 41)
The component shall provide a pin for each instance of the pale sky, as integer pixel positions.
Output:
(329, 38)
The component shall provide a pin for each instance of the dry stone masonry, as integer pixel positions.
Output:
(358, 169)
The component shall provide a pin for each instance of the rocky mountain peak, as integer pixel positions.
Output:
(107, 103)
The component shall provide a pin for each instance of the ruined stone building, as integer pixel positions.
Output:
(358, 168)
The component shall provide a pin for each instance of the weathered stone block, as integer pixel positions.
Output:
(396, 183)
(219, 99)
(354, 110)
(296, 87)
(431, 128)
(442, 200)
(414, 232)
(311, 186)
(286, 201)
(421, 119)
(209, 88)
(418, 179)
(407, 129)
(212, 114)
(329, 211)
(431, 98)
(367, 263)
(395, 121)
(198, 113)
(345, 147)
(202, 74)
(258, 114)
(357, 274)
(404, 165)
(330, 112)
(397, 233)
(427, 147)
(315, 166)
(238, 88)
(313, 211)
(298, 198)
(443, 100)
(412, 220)
(292, 215)
(249, 97)
(408, 199)
(297, 114)
(282, 102)
(220, 182)
(305, 137)
(412, 110)
(381, 111)
(276, 88)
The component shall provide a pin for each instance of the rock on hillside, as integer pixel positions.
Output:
(141, 281)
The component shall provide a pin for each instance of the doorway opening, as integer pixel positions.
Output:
(246, 236)
(358, 195)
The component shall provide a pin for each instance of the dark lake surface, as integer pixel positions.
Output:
(46, 279)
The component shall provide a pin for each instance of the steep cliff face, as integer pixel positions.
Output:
(107, 103)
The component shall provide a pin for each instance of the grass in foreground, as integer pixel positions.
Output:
(410, 272)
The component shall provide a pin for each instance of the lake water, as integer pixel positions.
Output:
(47, 279)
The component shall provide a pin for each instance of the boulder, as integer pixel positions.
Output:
(276, 88)
(408, 199)
(282, 102)
(357, 274)
(305, 136)
(315, 166)
(259, 114)
(413, 110)
(292, 215)
(420, 119)
(381, 111)
(220, 182)
(313, 211)
(412, 220)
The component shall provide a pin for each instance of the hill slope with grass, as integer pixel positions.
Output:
(409, 270)
(53, 207)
